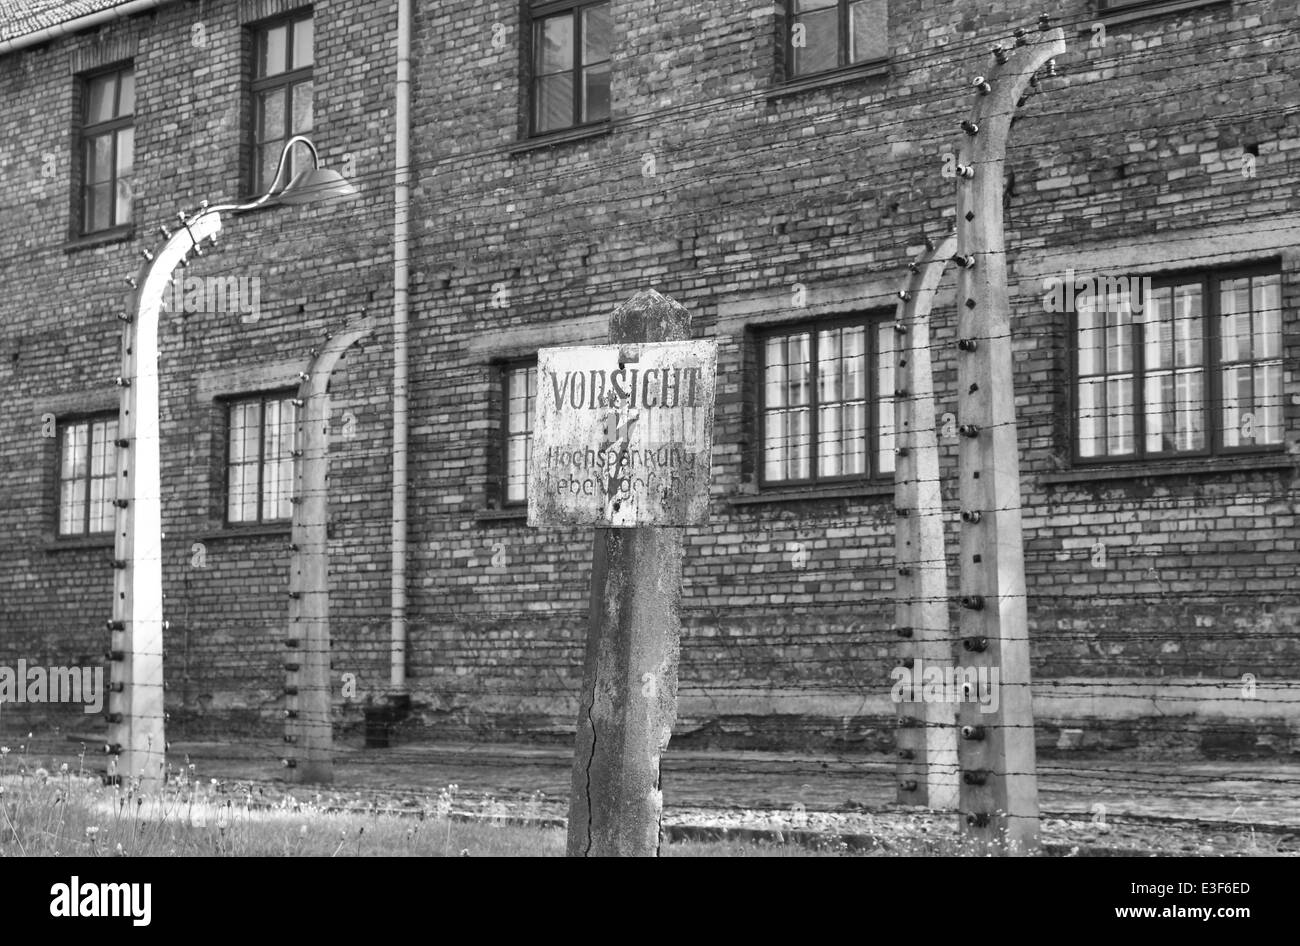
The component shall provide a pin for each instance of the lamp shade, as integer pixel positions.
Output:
(318, 185)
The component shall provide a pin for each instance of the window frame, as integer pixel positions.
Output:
(538, 12)
(843, 41)
(86, 130)
(227, 405)
(90, 419)
(287, 80)
(1210, 281)
(504, 370)
(870, 322)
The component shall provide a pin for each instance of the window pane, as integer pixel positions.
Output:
(786, 445)
(1174, 407)
(554, 52)
(814, 40)
(1234, 303)
(1119, 340)
(1189, 329)
(274, 46)
(868, 30)
(595, 93)
(241, 502)
(278, 438)
(1237, 400)
(303, 32)
(126, 94)
(1119, 416)
(521, 396)
(271, 125)
(99, 159)
(554, 102)
(828, 365)
(1267, 305)
(597, 34)
(74, 451)
(302, 120)
(125, 152)
(101, 456)
(1159, 331)
(886, 358)
(72, 510)
(101, 92)
(1091, 361)
(1268, 404)
(99, 207)
(1092, 420)
(787, 422)
(841, 448)
(268, 158)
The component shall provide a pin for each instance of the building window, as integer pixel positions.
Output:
(823, 35)
(1180, 366)
(519, 393)
(107, 150)
(827, 402)
(570, 66)
(282, 89)
(260, 458)
(87, 475)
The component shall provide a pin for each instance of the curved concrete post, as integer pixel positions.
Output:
(927, 735)
(999, 791)
(136, 734)
(308, 728)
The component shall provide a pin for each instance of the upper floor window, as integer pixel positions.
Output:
(519, 392)
(827, 409)
(570, 65)
(282, 92)
(87, 475)
(1179, 366)
(260, 458)
(107, 150)
(823, 35)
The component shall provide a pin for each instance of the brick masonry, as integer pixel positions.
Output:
(1129, 162)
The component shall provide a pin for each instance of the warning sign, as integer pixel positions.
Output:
(623, 435)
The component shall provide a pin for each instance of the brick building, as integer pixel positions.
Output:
(771, 166)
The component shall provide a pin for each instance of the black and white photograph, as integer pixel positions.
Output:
(857, 429)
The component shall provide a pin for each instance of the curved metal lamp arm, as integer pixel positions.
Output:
(271, 192)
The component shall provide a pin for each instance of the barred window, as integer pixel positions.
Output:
(87, 475)
(262, 438)
(827, 402)
(519, 389)
(1186, 366)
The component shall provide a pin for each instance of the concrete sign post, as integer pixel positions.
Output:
(622, 442)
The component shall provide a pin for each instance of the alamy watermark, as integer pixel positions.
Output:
(214, 294)
(936, 683)
(1087, 291)
(37, 684)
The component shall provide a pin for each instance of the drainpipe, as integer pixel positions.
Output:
(80, 23)
(401, 217)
